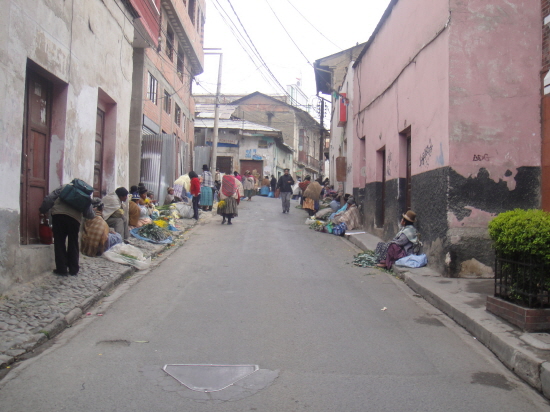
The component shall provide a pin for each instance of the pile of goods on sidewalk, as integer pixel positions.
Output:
(364, 260)
(336, 222)
(128, 255)
(153, 232)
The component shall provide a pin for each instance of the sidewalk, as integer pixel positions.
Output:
(33, 313)
(463, 300)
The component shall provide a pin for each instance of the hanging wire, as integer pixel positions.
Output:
(286, 31)
(248, 46)
(311, 24)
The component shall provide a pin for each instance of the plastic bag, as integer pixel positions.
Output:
(185, 210)
(413, 261)
(128, 255)
(339, 229)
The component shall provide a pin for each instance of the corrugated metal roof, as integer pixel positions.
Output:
(206, 110)
(244, 126)
(235, 125)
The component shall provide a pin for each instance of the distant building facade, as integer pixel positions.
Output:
(161, 124)
(242, 145)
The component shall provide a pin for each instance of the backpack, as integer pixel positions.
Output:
(77, 194)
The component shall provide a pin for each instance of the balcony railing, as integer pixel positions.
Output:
(313, 162)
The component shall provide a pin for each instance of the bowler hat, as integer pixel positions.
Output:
(410, 216)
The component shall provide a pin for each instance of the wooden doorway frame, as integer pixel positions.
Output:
(35, 153)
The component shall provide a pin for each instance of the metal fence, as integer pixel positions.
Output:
(524, 283)
(201, 157)
(158, 162)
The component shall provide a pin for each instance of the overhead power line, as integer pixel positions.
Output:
(249, 49)
(254, 46)
(286, 31)
(311, 24)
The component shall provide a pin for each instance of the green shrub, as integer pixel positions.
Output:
(522, 241)
(522, 235)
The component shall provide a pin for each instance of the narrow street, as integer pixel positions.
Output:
(266, 291)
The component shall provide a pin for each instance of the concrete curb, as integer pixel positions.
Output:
(492, 333)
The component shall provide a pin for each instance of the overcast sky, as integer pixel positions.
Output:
(339, 25)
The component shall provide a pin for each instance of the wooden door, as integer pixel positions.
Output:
(35, 162)
(98, 159)
(252, 165)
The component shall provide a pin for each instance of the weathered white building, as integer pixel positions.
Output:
(334, 76)
(66, 85)
(243, 145)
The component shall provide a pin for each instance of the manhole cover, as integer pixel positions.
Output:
(209, 378)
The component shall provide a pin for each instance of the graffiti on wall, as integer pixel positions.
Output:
(388, 164)
(480, 158)
(426, 154)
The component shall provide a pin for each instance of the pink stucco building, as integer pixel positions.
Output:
(447, 101)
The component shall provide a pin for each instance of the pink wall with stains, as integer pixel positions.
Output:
(494, 93)
(402, 81)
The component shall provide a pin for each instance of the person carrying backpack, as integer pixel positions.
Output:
(66, 220)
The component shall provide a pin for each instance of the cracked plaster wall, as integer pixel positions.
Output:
(471, 97)
(82, 50)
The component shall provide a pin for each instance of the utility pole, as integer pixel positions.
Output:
(216, 113)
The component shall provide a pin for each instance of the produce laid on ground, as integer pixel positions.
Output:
(153, 232)
(364, 260)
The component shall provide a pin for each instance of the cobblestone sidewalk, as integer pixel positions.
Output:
(37, 311)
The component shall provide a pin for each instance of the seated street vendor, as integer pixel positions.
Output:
(151, 197)
(401, 245)
(115, 211)
(97, 236)
(138, 215)
(145, 201)
(170, 197)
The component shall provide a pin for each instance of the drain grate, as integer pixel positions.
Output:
(209, 378)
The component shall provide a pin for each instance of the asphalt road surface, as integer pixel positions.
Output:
(266, 291)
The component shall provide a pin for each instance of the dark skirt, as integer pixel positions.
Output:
(229, 208)
(389, 253)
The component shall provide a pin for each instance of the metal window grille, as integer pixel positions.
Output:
(177, 115)
(167, 102)
(524, 283)
(169, 43)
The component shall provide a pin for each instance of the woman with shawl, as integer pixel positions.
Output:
(229, 198)
(170, 197)
(207, 189)
(96, 237)
(401, 245)
(138, 216)
(303, 186)
(350, 216)
(311, 197)
(264, 191)
(248, 184)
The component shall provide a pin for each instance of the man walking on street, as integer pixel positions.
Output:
(285, 187)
